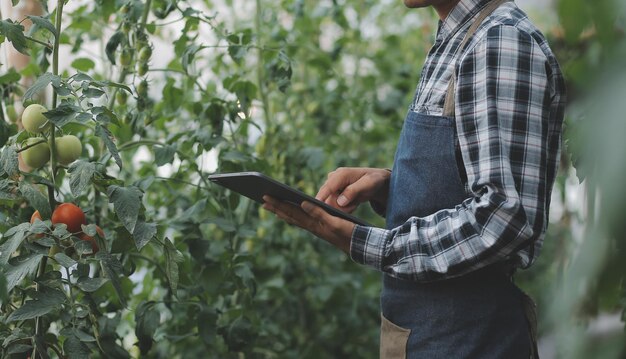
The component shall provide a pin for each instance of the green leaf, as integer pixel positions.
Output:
(92, 92)
(21, 267)
(63, 114)
(4, 294)
(35, 198)
(164, 155)
(8, 162)
(172, 258)
(16, 235)
(104, 115)
(113, 270)
(126, 203)
(84, 337)
(207, 328)
(81, 174)
(195, 213)
(107, 138)
(111, 84)
(45, 300)
(44, 23)
(147, 318)
(64, 260)
(74, 348)
(189, 54)
(112, 45)
(6, 130)
(243, 271)
(40, 84)
(225, 224)
(172, 95)
(83, 64)
(143, 233)
(40, 344)
(11, 76)
(6, 190)
(14, 32)
(90, 285)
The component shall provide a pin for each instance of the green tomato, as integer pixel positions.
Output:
(33, 119)
(38, 155)
(142, 68)
(68, 148)
(145, 53)
(121, 97)
(142, 89)
(126, 58)
(126, 27)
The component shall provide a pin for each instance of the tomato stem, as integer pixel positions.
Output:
(52, 143)
(260, 70)
(47, 45)
(31, 145)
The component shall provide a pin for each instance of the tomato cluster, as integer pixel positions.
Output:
(36, 152)
(74, 218)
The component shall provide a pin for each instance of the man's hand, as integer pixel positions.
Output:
(346, 188)
(314, 219)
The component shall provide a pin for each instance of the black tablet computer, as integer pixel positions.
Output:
(255, 185)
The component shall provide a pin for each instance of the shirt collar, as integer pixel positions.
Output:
(462, 12)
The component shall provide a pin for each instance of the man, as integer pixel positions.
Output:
(467, 199)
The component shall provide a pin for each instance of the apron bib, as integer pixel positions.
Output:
(479, 315)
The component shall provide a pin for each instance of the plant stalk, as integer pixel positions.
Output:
(260, 70)
(53, 162)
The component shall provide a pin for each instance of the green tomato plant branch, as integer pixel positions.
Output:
(53, 162)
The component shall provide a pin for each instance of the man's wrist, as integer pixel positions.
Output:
(379, 203)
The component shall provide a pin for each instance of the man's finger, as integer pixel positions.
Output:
(288, 212)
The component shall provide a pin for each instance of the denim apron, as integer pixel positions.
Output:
(479, 315)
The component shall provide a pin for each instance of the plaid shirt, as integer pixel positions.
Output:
(509, 114)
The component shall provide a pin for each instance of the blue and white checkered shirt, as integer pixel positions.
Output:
(510, 99)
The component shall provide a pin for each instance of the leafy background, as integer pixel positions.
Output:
(292, 88)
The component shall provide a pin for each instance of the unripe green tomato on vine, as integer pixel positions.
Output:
(142, 68)
(142, 89)
(145, 53)
(126, 58)
(125, 9)
(38, 155)
(127, 119)
(33, 119)
(11, 113)
(121, 97)
(68, 149)
(126, 27)
(141, 104)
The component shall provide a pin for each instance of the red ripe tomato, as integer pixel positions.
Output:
(92, 240)
(36, 215)
(71, 215)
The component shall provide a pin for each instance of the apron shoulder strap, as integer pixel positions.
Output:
(448, 107)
